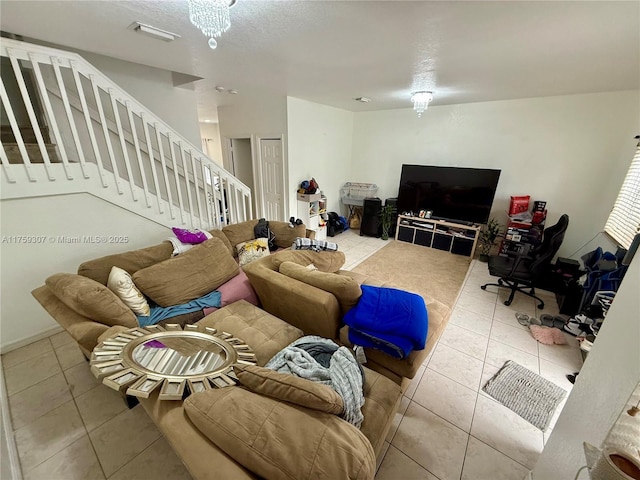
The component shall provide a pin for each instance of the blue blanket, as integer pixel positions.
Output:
(212, 299)
(390, 320)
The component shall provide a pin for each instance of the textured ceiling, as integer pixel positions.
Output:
(333, 51)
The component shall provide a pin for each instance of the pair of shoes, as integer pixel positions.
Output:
(573, 327)
(293, 222)
(525, 319)
(552, 321)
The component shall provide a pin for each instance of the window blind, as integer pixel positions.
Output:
(624, 220)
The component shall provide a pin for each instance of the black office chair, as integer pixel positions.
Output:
(522, 271)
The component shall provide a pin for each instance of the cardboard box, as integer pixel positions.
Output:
(309, 197)
(519, 204)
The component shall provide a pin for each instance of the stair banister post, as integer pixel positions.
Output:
(55, 62)
(16, 133)
(163, 163)
(152, 161)
(52, 119)
(31, 114)
(105, 132)
(123, 145)
(176, 176)
(87, 119)
(136, 145)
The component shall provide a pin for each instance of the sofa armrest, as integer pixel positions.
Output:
(84, 330)
(314, 311)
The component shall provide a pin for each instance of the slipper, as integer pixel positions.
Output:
(523, 319)
(559, 322)
(546, 319)
(535, 321)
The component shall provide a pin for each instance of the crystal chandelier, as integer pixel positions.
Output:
(211, 17)
(421, 101)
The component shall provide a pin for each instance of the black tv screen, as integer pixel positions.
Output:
(451, 193)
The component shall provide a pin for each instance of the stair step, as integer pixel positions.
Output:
(33, 150)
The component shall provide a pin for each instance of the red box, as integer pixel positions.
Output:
(519, 204)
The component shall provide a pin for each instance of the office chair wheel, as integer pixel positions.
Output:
(500, 282)
(507, 302)
(483, 287)
(540, 305)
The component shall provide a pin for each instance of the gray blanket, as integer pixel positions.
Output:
(343, 373)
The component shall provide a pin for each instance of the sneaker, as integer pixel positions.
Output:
(572, 327)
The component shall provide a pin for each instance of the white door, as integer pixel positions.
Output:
(272, 168)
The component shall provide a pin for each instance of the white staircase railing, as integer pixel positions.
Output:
(91, 136)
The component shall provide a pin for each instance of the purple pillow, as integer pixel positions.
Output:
(190, 236)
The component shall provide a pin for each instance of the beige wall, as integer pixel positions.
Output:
(572, 151)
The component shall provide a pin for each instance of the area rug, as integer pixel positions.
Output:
(528, 394)
(422, 270)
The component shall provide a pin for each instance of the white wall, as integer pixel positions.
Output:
(25, 266)
(572, 151)
(609, 375)
(320, 146)
(266, 116)
(210, 133)
(153, 88)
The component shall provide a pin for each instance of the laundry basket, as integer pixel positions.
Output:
(353, 193)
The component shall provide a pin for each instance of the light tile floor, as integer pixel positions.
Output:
(67, 426)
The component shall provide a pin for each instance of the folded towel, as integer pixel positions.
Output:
(388, 319)
(301, 243)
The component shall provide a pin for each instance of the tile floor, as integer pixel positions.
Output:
(67, 426)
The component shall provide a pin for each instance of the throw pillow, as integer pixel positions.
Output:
(345, 289)
(191, 236)
(252, 250)
(290, 388)
(310, 444)
(91, 299)
(188, 276)
(121, 283)
(325, 261)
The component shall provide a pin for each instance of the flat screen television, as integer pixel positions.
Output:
(451, 193)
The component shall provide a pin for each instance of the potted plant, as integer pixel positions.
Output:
(488, 237)
(387, 214)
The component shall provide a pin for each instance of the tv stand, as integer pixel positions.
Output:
(454, 237)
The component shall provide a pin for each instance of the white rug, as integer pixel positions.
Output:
(528, 394)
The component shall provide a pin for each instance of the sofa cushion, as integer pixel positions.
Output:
(278, 440)
(100, 268)
(285, 235)
(91, 299)
(121, 283)
(289, 388)
(344, 288)
(188, 276)
(239, 232)
(219, 234)
(324, 261)
(252, 250)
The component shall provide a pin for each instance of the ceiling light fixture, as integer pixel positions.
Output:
(211, 17)
(421, 101)
(153, 32)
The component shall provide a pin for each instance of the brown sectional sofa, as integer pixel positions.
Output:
(203, 458)
(85, 330)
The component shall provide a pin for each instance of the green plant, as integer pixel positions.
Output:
(488, 236)
(387, 213)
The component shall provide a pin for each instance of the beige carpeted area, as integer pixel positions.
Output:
(422, 270)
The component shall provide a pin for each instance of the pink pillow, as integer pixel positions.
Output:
(190, 236)
(238, 288)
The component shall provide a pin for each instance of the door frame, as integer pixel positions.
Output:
(256, 160)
